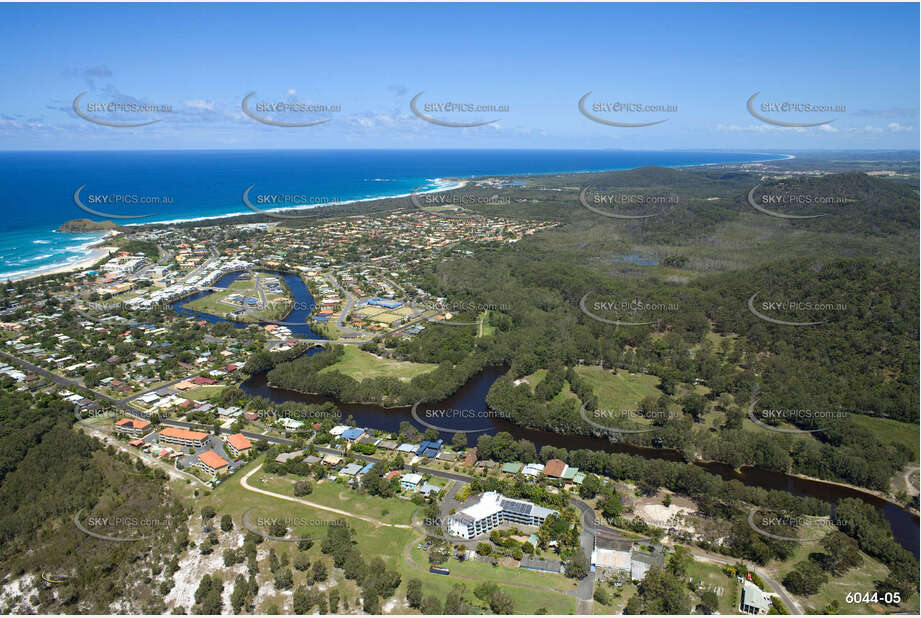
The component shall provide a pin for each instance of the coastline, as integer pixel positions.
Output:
(457, 182)
(97, 251)
(448, 183)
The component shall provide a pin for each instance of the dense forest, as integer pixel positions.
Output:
(559, 299)
(48, 474)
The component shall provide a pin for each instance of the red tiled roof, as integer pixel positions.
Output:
(176, 432)
(239, 441)
(555, 467)
(212, 460)
(135, 423)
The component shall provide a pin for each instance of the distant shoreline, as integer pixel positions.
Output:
(446, 183)
(459, 182)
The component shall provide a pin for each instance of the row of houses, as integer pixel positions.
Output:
(555, 469)
(411, 482)
(432, 449)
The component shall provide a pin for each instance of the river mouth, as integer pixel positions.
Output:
(472, 397)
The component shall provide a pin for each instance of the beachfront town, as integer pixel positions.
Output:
(344, 280)
(151, 344)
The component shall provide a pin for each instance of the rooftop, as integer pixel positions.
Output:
(184, 434)
(212, 460)
(239, 441)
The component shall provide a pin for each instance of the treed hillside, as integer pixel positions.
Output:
(48, 473)
(864, 204)
(860, 357)
(863, 358)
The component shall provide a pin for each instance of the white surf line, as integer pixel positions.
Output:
(244, 482)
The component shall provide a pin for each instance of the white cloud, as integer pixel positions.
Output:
(200, 104)
(757, 128)
(896, 127)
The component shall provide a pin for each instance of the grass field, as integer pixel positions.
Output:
(333, 494)
(485, 329)
(856, 580)
(203, 393)
(619, 597)
(538, 376)
(359, 365)
(889, 430)
(622, 391)
(556, 602)
(712, 574)
(564, 394)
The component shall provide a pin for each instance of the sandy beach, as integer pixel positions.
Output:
(96, 253)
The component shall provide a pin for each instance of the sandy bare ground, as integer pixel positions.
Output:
(194, 565)
(22, 587)
(654, 512)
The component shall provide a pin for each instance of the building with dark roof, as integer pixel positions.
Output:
(641, 562)
(429, 449)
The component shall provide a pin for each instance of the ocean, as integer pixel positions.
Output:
(38, 188)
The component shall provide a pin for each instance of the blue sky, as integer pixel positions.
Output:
(536, 59)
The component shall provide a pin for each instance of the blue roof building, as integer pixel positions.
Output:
(366, 469)
(429, 449)
(352, 434)
(383, 302)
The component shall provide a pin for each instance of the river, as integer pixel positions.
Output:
(471, 399)
(296, 321)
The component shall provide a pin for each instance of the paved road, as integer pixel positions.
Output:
(349, 303)
(589, 524)
(156, 388)
(706, 556)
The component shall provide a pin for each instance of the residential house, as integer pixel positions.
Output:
(554, 468)
(533, 469)
(410, 481)
(429, 448)
(754, 600)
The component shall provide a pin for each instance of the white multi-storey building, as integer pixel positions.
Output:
(492, 510)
